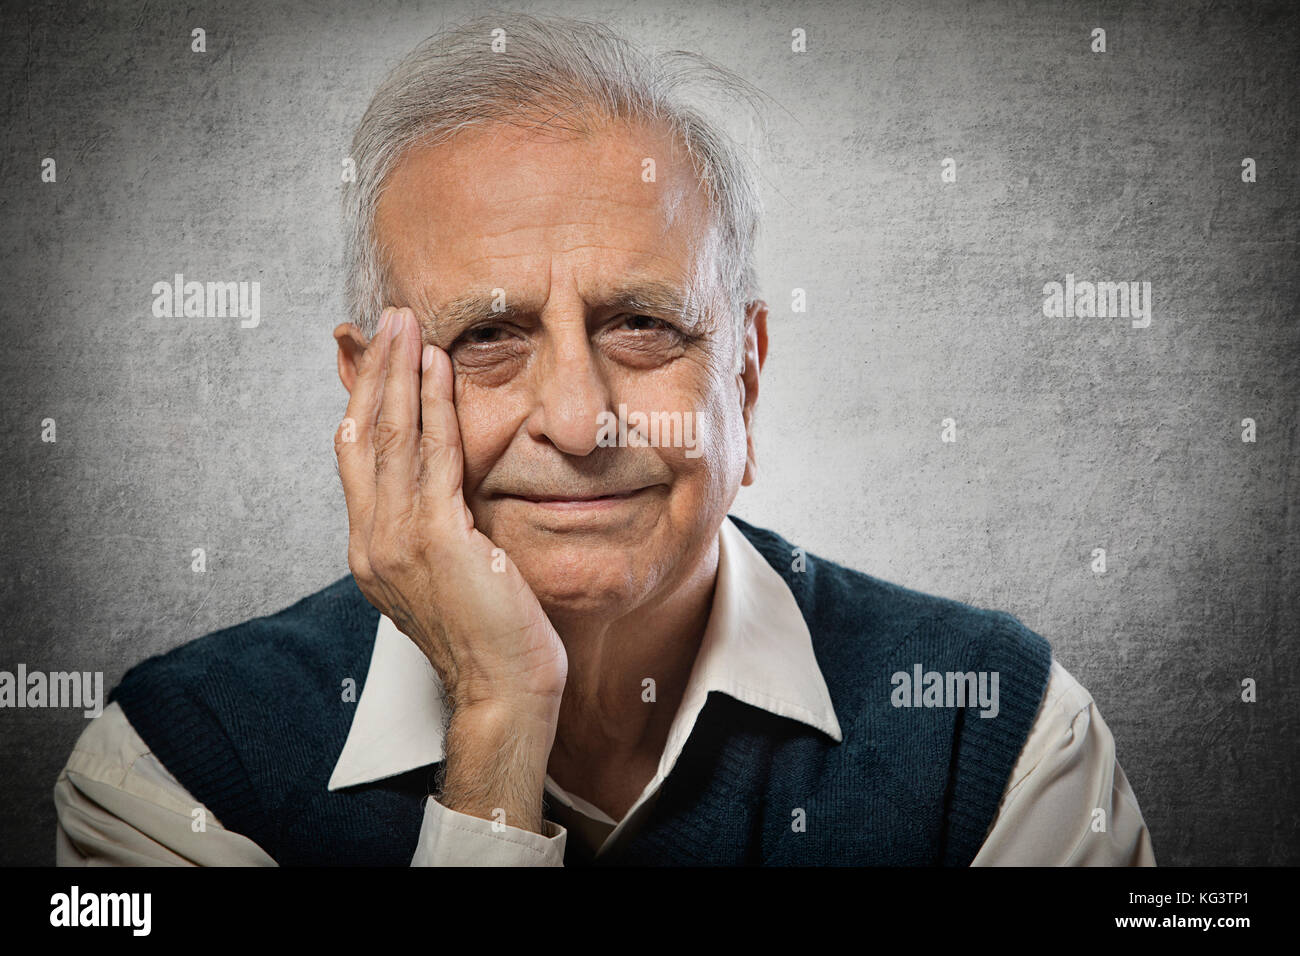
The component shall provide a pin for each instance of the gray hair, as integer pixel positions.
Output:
(558, 71)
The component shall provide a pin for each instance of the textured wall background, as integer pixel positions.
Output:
(924, 303)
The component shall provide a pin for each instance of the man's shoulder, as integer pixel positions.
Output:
(317, 635)
(250, 719)
(906, 672)
(859, 605)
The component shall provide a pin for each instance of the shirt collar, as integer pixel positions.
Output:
(756, 648)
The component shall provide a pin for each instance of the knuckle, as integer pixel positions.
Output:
(386, 560)
(390, 438)
(419, 540)
(381, 565)
(439, 463)
(359, 563)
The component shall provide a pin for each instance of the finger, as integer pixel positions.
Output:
(353, 441)
(396, 429)
(442, 459)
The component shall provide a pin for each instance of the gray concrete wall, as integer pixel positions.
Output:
(924, 303)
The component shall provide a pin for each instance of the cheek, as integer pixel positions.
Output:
(722, 445)
(488, 422)
(707, 454)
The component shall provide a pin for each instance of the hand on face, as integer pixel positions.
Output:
(413, 548)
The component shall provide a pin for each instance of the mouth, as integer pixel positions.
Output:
(578, 502)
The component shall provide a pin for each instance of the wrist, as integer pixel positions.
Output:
(528, 723)
(490, 700)
(495, 765)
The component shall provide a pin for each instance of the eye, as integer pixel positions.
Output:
(645, 323)
(483, 335)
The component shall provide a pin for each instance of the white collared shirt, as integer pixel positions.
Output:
(117, 804)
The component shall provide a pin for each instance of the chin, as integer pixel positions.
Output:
(573, 580)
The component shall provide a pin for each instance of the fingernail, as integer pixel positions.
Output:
(383, 322)
(399, 323)
(426, 358)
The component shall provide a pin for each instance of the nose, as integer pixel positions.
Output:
(570, 391)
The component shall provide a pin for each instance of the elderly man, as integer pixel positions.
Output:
(567, 651)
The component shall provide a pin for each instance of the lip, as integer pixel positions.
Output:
(570, 503)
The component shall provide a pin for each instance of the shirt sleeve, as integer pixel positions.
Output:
(1068, 802)
(451, 838)
(117, 805)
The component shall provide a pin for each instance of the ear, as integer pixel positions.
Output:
(352, 345)
(755, 356)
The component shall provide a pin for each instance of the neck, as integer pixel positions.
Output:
(609, 721)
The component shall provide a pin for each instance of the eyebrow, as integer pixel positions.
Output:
(648, 296)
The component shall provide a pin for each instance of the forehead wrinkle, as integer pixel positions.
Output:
(652, 296)
(549, 225)
(636, 253)
(653, 202)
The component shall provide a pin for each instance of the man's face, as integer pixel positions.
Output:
(551, 271)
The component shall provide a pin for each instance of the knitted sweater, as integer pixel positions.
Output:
(249, 720)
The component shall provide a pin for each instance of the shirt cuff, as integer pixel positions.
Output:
(451, 838)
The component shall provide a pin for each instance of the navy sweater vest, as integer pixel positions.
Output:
(250, 720)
